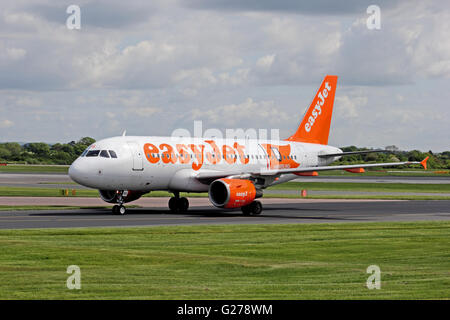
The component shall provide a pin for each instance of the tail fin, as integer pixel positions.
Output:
(315, 126)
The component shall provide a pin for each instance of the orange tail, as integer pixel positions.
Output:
(315, 126)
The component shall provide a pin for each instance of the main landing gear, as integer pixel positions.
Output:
(254, 208)
(177, 204)
(119, 209)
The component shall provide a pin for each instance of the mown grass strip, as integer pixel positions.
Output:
(438, 188)
(355, 186)
(11, 168)
(294, 261)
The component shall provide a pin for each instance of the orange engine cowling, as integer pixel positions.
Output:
(231, 193)
(112, 196)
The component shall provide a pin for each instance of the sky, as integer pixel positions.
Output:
(151, 67)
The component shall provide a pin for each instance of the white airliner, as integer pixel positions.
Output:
(233, 172)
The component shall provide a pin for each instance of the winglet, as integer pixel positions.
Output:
(424, 163)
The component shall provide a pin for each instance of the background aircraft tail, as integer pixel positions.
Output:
(315, 126)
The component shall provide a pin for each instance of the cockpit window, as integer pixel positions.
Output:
(104, 154)
(92, 153)
(84, 152)
(113, 154)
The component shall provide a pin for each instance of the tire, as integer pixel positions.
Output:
(246, 210)
(256, 207)
(183, 204)
(173, 204)
(115, 209)
(121, 210)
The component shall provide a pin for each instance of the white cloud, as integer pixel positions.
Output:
(16, 53)
(143, 111)
(265, 62)
(168, 61)
(6, 123)
(248, 112)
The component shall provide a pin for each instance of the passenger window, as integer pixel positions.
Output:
(113, 154)
(92, 153)
(104, 154)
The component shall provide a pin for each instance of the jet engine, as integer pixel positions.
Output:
(112, 196)
(232, 193)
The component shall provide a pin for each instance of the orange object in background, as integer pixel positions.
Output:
(356, 170)
(424, 163)
(307, 174)
(304, 193)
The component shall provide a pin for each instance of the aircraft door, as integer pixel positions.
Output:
(136, 155)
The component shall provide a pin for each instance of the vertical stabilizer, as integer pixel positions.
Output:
(315, 126)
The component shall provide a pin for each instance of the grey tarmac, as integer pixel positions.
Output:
(276, 211)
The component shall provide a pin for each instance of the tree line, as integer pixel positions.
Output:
(436, 160)
(43, 153)
(66, 153)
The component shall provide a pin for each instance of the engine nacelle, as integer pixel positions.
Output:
(112, 196)
(231, 193)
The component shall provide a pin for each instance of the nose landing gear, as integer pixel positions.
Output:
(119, 209)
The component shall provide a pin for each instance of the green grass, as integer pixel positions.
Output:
(295, 261)
(17, 168)
(43, 192)
(319, 186)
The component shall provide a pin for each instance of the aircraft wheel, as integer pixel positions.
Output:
(121, 210)
(183, 204)
(246, 210)
(256, 207)
(173, 204)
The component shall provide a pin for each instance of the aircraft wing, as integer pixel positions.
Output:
(328, 155)
(353, 166)
(211, 175)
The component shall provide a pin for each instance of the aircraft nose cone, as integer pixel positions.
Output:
(76, 172)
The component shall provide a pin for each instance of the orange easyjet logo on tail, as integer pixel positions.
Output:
(317, 111)
(315, 125)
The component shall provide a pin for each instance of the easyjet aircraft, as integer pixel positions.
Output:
(233, 172)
